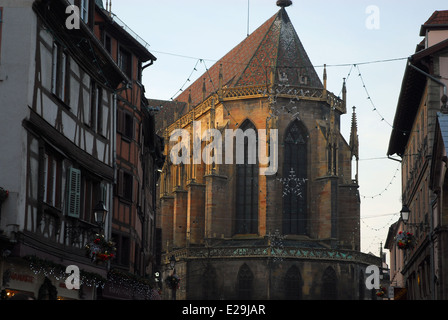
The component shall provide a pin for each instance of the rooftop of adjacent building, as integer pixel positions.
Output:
(414, 81)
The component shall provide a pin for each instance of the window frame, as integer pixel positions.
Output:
(247, 190)
(125, 124)
(84, 10)
(245, 282)
(96, 107)
(123, 245)
(60, 73)
(296, 158)
(91, 194)
(125, 186)
(125, 64)
(52, 180)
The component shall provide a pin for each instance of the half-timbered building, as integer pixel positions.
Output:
(138, 152)
(59, 86)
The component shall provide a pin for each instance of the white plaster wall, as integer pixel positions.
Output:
(16, 90)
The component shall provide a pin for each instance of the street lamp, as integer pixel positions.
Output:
(75, 227)
(405, 214)
(172, 262)
(100, 213)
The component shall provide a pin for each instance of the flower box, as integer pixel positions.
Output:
(100, 250)
(173, 281)
(405, 240)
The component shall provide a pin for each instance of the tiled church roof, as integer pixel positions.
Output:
(276, 41)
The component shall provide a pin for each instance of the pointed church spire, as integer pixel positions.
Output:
(344, 95)
(354, 142)
(325, 77)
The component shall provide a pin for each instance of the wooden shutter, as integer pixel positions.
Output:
(54, 68)
(103, 188)
(119, 120)
(74, 193)
(120, 183)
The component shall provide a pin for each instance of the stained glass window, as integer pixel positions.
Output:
(293, 284)
(245, 283)
(247, 189)
(295, 163)
(329, 289)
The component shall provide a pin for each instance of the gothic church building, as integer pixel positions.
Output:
(238, 234)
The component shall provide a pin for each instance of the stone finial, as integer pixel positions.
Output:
(284, 3)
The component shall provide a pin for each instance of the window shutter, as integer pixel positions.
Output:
(120, 183)
(74, 193)
(54, 69)
(119, 120)
(103, 195)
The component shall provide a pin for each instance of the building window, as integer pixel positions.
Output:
(96, 107)
(295, 163)
(245, 283)
(361, 286)
(125, 62)
(99, 103)
(108, 43)
(247, 184)
(52, 180)
(128, 129)
(125, 124)
(329, 289)
(293, 284)
(123, 245)
(125, 185)
(84, 192)
(59, 75)
(84, 10)
(209, 291)
(92, 192)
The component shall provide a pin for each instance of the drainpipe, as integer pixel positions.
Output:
(444, 98)
(431, 252)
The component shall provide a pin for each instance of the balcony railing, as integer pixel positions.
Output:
(140, 40)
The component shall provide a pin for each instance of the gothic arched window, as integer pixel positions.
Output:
(247, 183)
(293, 284)
(295, 173)
(209, 277)
(245, 283)
(329, 285)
